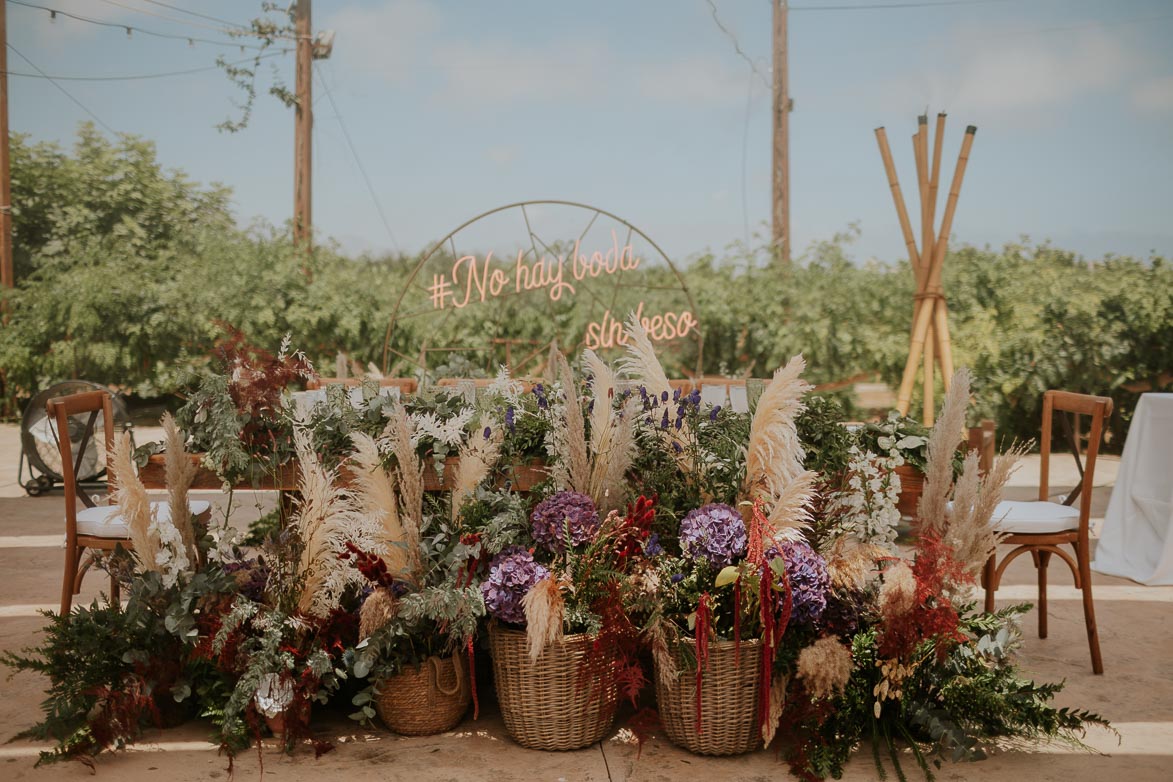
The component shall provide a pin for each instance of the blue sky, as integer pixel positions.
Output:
(645, 109)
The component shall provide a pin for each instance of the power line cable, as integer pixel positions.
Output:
(176, 20)
(64, 91)
(133, 28)
(357, 161)
(138, 77)
(196, 13)
(884, 6)
(736, 44)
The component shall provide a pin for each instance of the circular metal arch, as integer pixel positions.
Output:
(541, 202)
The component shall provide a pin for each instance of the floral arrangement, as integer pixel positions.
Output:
(664, 525)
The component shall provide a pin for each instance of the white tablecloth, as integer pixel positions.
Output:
(1137, 539)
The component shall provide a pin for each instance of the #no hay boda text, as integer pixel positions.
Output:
(472, 280)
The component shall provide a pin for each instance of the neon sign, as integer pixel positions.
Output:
(477, 280)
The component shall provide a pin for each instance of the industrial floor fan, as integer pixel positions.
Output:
(39, 445)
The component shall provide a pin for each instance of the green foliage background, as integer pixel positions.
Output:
(125, 272)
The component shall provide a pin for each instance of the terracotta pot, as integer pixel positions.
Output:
(912, 485)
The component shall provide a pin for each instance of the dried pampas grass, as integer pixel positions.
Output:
(478, 457)
(132, 501)
(790, 513)
(373, 493)
(852, 564)
(942, 444)
(898, 593)
(612, 444)
(572, 465)
(180, 470)
(409, 478)
(774, 458)
(544, 608)
(657, 633)
(641, 364)
(325, 520)
(825, 667)
(377, 610)
(968, 530)
(641, 361)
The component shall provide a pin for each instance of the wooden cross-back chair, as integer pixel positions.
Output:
(1041, 528)
(91, 527)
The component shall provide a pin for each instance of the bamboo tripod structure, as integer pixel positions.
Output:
(929, 344)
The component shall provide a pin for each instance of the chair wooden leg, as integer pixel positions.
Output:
(1043, 559)
(72, 558)
(988, 573)
(115, 596)
(1089, 609)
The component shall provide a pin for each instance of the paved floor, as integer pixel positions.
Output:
(1135, 693)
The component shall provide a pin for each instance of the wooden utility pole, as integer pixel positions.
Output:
(781, 178)
(304, 129)
(7, 275)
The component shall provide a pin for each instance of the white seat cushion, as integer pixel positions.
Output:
(1034, 518)
(106, 521)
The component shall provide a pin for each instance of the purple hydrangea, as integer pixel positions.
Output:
(512, 574)
(567, 517)
(715, 532)
(809, 580)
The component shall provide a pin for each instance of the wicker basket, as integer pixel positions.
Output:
(546, 704)
(729, 699)
(425, 700)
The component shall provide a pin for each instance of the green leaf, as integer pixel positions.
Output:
(728, 575)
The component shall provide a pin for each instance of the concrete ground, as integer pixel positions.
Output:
(1135, 692)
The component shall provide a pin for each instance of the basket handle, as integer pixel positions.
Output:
(435, 663)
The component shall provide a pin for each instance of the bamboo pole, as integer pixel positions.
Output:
(944, 349)
(925, 315)
(898, 198)
(920, 148)
(935, 175)
(945, 345)
(929, 360)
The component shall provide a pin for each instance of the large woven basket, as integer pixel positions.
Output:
(425, 700)
(551, 704)
(729, 699)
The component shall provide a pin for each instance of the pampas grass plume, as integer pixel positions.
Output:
(180, 470)
(544, 609)
(825, 666)
(774, 458)
(133, 503)
(943, 442)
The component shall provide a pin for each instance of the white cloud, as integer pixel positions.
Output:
(1039, 72)
(399, 40)
(498, 71)
(1154, 94)
(991, 74)
(385, 40)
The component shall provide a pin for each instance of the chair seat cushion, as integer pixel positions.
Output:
(107, 521)
(1034, 518)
